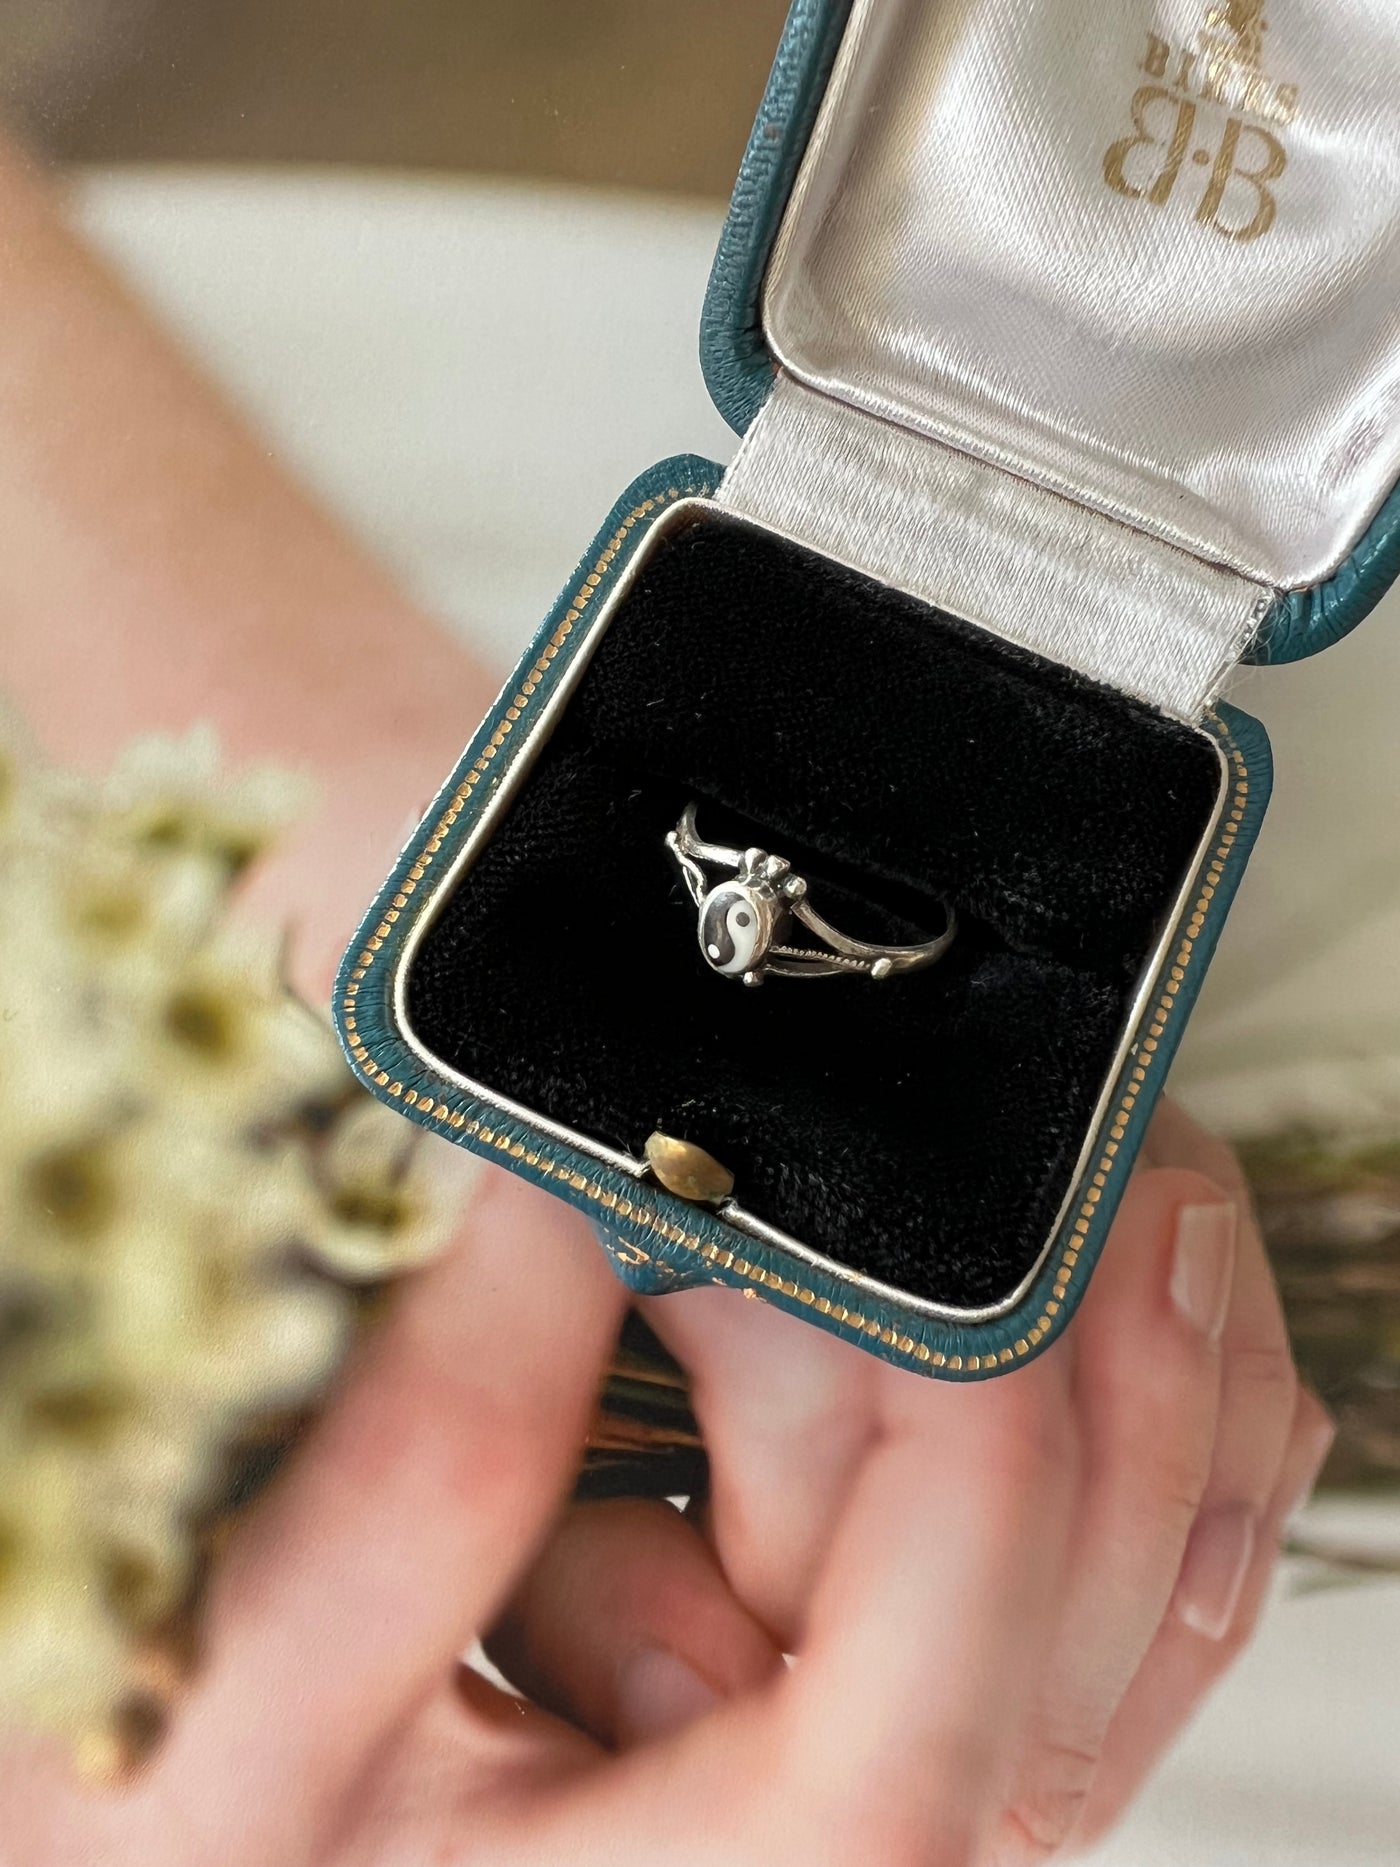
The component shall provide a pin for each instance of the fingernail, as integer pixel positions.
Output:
(658, 1693)
(1218, 1555)
(1203, 1264)
(1325, 1434)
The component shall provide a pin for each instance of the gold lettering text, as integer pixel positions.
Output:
(1158, 52)
(1172, 133)
(1255, 100)
(1285, 103)
(1228, 169)
(1214, 80)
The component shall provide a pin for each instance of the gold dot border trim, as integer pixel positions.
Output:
(637, 1213)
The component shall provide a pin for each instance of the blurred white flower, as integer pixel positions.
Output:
(172, 796)
(387, 1202)
(189, 1181)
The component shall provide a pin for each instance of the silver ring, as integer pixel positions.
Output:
(746, 922)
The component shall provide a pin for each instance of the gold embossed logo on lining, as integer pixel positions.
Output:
(1216, 106)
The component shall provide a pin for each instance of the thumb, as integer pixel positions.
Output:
(627, 1627)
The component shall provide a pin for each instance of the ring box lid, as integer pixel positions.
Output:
(1144, 257)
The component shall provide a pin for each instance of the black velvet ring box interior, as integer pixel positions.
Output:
(923, 1132)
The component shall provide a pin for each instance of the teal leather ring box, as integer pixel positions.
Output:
(1062, 344)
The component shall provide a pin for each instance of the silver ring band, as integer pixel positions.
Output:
(746, 921)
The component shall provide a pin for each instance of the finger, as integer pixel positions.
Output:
(401, 1525)
(1258, 1402)
(460, 1781)
(931, 1618)
(1175, 1139)
(787, 1413)
(1146, 1393)
(1258, 1398)
(866, 1755)
(626, 1626)
(1183, 1664)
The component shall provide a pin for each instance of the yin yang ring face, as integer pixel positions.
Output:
(737, 927)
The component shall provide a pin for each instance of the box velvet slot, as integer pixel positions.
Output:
(821, 903)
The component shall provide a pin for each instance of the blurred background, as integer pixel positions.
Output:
(448, 255)
(611, 93)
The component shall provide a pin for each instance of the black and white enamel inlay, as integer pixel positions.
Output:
(737, 927)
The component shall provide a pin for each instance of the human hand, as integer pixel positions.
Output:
(1004, 1597)
(1183, 1455)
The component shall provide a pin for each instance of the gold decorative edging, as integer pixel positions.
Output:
(647, 1216)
